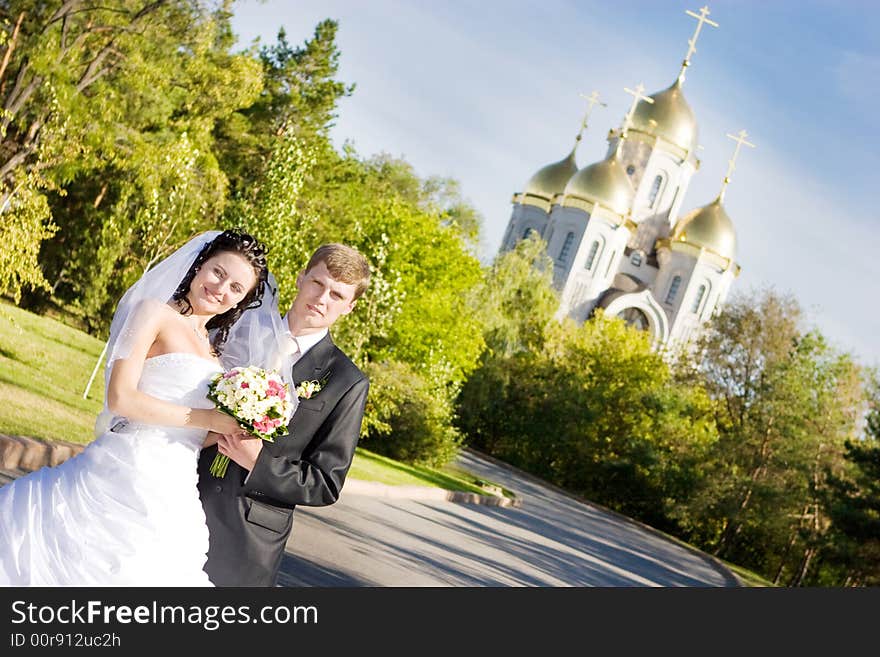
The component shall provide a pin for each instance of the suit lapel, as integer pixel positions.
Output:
(315, 362)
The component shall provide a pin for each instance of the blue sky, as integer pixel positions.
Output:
(487, 92)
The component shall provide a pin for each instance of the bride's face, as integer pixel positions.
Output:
(221, 283)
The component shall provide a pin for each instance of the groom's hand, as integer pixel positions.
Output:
(241, 448)
(211, 439)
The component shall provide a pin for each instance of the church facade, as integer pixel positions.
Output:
(615, 229)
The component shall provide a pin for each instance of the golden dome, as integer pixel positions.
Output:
(605, 183)
(669, 116)
(551, 179)
(708, 227)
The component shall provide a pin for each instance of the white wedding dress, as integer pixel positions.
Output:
(123, 512)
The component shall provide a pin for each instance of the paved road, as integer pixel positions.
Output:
(552, 540)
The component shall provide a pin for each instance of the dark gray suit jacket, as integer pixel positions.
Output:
(249, 523)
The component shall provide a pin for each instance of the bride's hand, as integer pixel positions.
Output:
(225, 424)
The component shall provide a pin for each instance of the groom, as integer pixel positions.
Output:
(250, 511)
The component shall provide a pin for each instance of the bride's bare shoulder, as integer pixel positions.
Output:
(154, 313)
(154, 307)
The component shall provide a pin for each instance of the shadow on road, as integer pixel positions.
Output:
(298, 571)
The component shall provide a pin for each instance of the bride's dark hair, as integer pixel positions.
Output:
(252, 250)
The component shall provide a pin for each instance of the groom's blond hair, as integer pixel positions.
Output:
(345, 264)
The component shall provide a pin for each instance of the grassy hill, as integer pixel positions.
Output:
(44, 370)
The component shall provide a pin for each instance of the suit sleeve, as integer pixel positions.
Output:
(316, 479)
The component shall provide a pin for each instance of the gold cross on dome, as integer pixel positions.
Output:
(592, 99)
(692, 42)
(637, 96)
(740, 140)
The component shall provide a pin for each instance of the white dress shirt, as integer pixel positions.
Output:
(302, 343)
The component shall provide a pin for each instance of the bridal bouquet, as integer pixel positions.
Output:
(259, 399)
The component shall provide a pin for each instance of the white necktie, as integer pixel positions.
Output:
(295, 353)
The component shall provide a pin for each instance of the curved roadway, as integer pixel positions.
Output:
(552, 540)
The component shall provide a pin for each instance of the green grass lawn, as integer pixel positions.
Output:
(747, 577)
(375, 467)
(45, 367)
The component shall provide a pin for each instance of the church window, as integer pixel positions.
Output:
(655, 190)
(528, 231)
(673, 289)
(566, 249)
(591, 256)
(610, 262)
(698, 299)
(636, 258)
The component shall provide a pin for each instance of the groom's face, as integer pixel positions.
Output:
(321, 299)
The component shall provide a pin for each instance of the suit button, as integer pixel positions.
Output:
(218, 488)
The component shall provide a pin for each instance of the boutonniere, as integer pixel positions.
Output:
(308, 389)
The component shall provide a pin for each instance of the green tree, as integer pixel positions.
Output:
(593, 409)
(739, 353)
(785, 404)
(57, 56)
(136, 88)
(515, 300)
(514, 303)
(276, 214)
(422, 266)
(415, 312)
(405, 417)
(632, 437)
(297, 100)
(413, 323)
(853, 498)
(25, 221)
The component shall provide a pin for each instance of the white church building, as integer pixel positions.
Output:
(614, 228)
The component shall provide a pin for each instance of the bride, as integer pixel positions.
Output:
(126, 510)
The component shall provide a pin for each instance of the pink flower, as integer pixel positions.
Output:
(276, 389)
(244, 384)
(267, 424)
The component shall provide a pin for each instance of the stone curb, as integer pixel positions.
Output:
(23, 454)
(376, 489)
(20, 455)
